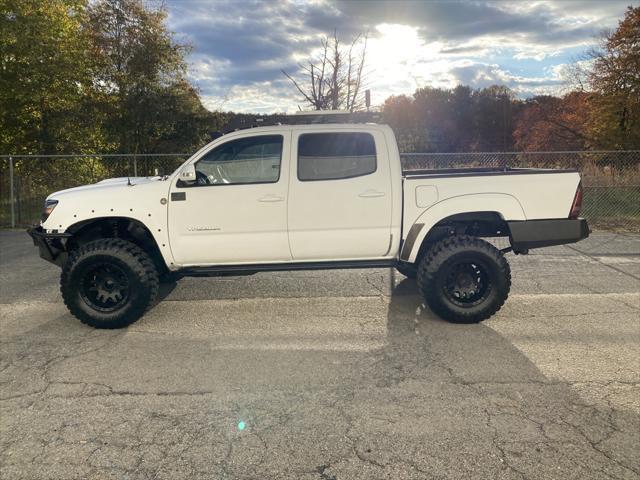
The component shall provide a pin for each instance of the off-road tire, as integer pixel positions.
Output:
(409, 270)
(446, 255)
(136, 267)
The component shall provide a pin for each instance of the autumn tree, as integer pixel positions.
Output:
(548, 123)
(142, 71)
(99, 76)
(46, 78)
(46, 94)
(614, 122)
(335, 79)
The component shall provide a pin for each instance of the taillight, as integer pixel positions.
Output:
(576, 206)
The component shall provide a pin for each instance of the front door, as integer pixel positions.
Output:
(340, 196)
(237, 210)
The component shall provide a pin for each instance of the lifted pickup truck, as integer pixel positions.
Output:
(311, 196)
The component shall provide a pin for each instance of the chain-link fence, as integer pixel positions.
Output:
(611, 179)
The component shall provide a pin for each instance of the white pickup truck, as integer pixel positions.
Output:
(310, 196)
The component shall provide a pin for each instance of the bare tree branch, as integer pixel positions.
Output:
(359, 76)
(336, 77)
(306, 97)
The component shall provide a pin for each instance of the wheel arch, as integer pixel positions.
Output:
(481, 215)
(126, 228)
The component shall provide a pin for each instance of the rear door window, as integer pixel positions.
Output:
(333, 156)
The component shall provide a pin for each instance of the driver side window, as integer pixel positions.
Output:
(245, 160)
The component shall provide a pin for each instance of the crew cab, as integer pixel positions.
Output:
(304, 196)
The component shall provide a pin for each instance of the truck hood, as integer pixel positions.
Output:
(142, 200)
(107, 185)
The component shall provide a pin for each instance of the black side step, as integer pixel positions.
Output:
(278, 267)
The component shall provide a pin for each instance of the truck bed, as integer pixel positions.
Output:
(513, 193)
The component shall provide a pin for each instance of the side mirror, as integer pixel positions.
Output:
(188, 174)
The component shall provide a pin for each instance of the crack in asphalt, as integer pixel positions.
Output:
(608, 265)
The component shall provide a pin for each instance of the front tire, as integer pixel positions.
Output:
(464, 279)
(109, 283)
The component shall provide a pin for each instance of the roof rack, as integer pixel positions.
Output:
(332, 116)
(308, 118)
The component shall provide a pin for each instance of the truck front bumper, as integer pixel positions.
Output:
(52, 246)
(529, 234)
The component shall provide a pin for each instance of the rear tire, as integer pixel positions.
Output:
(464, 279)
(109, 283)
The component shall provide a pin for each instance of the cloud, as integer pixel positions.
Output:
(240, 47)
(541, 23)
(480, 75)
(464, 50)
(247, 41)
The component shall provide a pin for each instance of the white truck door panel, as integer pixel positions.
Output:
(241, 217)
(339, 218)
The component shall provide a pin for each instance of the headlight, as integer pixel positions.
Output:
(49, 205)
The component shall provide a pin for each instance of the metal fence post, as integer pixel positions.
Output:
(12, 199)
(135, 166)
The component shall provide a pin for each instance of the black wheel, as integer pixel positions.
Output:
(464, 279)
(409, 270)
(109, 283)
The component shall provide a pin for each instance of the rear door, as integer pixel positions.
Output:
(340, 195)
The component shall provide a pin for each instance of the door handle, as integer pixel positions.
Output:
(371, 194)
(271, 198)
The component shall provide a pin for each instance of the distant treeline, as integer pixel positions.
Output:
(493, 119)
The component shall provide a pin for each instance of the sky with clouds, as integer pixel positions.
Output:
(241, 47)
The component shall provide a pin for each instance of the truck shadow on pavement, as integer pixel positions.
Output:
(465, 353)
(388, 390)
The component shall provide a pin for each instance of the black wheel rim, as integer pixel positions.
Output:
(467, 283)
(105, 287)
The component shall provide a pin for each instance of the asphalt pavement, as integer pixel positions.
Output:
(328, 375)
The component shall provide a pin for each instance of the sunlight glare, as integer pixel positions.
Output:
(393, 55)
